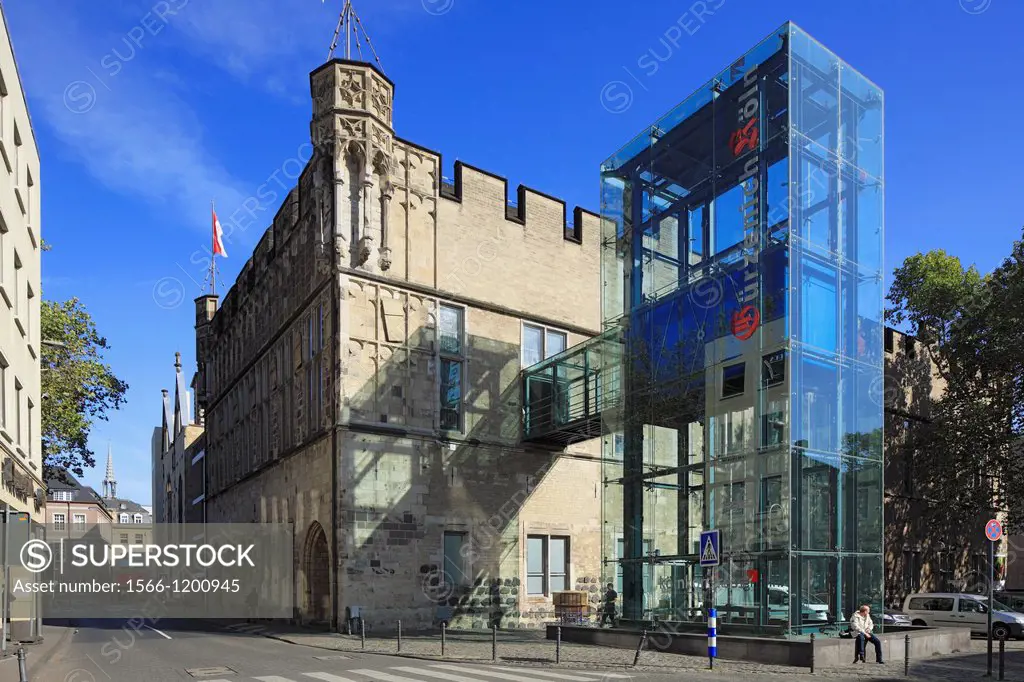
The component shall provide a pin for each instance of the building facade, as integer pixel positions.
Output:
(743, 337)
(74, 510)
(20, 240)
(174, 445)
(927, 548)
(361, 380)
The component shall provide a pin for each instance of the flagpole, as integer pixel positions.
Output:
(213, 251)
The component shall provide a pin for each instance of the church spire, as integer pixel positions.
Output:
(109, 482)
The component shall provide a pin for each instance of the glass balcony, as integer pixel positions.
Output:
(565, 395)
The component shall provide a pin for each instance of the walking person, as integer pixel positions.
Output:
(608, 612)
(861, 626)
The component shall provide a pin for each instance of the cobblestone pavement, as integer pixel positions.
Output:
(530, 648)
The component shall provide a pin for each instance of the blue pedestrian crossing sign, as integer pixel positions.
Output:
(710, 548)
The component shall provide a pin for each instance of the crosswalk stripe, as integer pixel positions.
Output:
(271, 678)
(557, 676)
(440, 675)
(384, 677)
(515, 678)
(327, 677)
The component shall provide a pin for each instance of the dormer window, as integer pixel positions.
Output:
(138, 518)
(124, 518)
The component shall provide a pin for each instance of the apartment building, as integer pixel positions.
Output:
(20, 399)
(74, 509)
(361, 380)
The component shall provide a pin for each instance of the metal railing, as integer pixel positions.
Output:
(565, 395)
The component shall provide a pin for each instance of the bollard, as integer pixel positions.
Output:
(399, 636)
(494, 642)
(639, 648)
(444, 627)
(22, 673)
(362, 634)
(558, 644)
(906, 655)
(712, 637)
(1002, 654)
(812, 653)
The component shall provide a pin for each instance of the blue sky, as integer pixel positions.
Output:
(142, 121)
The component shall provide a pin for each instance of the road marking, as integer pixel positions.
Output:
(165, 636)
(514, 678)
(439, 674)
(327, 677)
(557, 676)
(384, 677)
(270, 678)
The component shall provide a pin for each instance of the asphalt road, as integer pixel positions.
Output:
(174, 651)
(126, 651)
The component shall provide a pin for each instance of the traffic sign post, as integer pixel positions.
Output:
(993, 531)
(711, 557)
(710, 548)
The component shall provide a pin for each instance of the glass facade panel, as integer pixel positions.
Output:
(741, 274)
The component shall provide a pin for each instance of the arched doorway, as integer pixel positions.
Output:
(316, 566)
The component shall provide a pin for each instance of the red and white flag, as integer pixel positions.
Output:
(218, 237)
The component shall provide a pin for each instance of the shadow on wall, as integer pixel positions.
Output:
(409, 492)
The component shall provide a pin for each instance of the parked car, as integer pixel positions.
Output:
(778, 606)
(1014, 599)
(894, 617)
(953, 609)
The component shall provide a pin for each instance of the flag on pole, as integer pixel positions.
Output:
(218, 237)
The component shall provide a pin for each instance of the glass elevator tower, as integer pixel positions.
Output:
(742, 298)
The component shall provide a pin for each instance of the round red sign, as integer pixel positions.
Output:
(993, 530)
(745, 322)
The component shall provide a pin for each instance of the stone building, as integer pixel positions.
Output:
(361, 380)
(174, 445)
(20, 344)
(924, 550)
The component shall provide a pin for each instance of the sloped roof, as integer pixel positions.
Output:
(63, 479)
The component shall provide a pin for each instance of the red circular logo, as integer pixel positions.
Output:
(745, 322)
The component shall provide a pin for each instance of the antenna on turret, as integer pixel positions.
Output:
(348, 21)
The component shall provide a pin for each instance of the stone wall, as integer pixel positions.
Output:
(329, 339)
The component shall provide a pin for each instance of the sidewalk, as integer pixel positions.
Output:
(530, 648)
(36, 655)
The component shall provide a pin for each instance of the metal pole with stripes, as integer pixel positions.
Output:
(712, 637)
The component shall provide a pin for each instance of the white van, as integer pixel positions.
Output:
(950, 609)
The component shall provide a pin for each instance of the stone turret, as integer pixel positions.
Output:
(354, 140)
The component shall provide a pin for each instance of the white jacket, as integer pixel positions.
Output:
(859, 624)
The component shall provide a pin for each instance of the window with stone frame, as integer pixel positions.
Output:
(451, 332)
(456, 571)
(547, 564)
(314, 378)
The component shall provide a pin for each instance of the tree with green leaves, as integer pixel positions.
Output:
(78, 387)
(969, 325)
